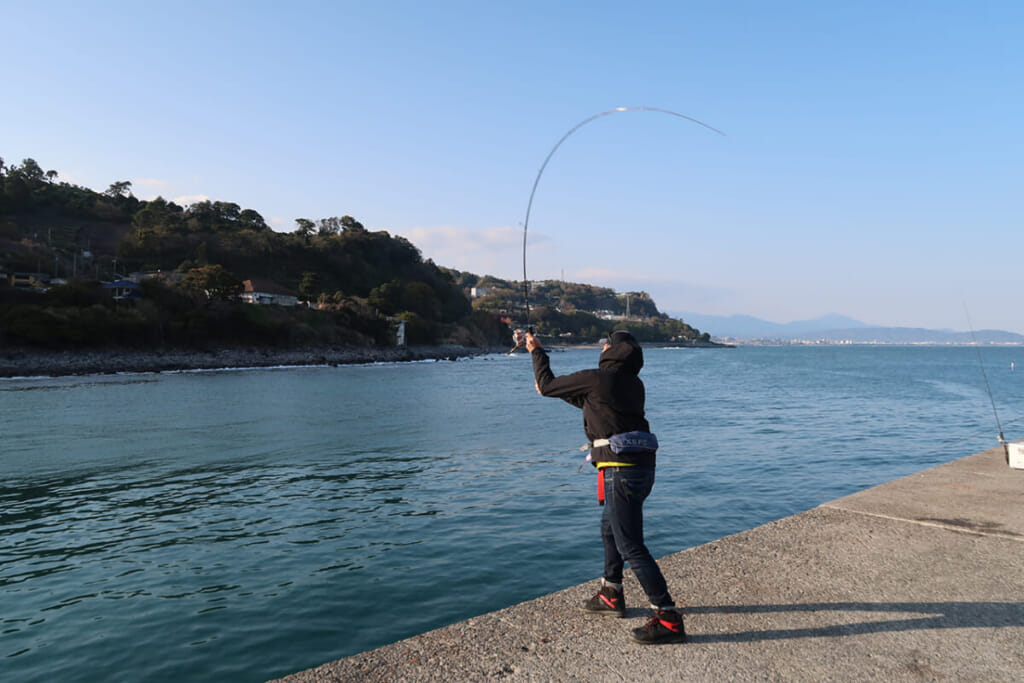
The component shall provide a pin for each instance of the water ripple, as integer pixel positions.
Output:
(156, 530)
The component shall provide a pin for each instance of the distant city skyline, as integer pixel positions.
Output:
(872, 168)
(838, 328)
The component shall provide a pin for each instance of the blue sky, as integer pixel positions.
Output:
(873, 165)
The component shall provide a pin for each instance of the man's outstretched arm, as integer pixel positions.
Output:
(569, 388)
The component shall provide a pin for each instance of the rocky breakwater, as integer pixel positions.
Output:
(36, 363)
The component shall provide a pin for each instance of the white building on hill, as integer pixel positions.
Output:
(262, 291)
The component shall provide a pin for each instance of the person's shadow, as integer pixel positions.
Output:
(933, 615)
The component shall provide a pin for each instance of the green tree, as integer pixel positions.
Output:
(20, 184)
(212, 282)
(387, 297)
(158, 212)
(202, 254)
(122, 188)
(31, 171)
(252, 220)
(350, 224)
(309, 287)
(227, 214)
(329, 226)
(419, 297)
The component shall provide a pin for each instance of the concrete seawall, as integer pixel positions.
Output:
(921, 578)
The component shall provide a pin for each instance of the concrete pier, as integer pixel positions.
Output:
(918, 579)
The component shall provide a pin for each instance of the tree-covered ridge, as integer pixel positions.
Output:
(575, 311)
(325, 261)
(46, 226)
(358, 281)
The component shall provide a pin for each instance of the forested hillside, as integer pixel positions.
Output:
(60, 242)
(572, 311)
(359, 281)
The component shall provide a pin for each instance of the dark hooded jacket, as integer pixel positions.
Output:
(611, 397)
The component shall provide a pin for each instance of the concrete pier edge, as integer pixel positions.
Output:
(921, 578)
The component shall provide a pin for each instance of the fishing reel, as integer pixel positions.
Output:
(519, 337)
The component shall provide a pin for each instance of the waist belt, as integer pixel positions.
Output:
(627, 442)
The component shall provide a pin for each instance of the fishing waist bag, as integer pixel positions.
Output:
(633, 442)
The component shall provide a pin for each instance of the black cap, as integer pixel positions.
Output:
(620, 336)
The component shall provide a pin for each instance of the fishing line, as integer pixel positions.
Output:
(956, 441)
(536, 181)
(984, 374)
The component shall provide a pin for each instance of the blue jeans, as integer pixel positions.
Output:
(622, 530)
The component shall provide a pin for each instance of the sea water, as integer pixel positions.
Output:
(246, 524)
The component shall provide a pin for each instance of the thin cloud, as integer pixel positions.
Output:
(189, 199)
(602, 274)
(281, 224)
(670, 293)
(478, 250)
(150, 188)
(152, 184)
(449, 236)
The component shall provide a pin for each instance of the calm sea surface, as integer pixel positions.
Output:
(246, 524)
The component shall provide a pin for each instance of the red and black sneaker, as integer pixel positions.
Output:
(608, 602)
(666, 626)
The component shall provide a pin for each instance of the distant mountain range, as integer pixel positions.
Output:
(837, 328)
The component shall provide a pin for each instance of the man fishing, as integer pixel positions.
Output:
(623, 451)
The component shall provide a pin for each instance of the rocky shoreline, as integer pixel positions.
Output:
(36, 363)
(23, 362)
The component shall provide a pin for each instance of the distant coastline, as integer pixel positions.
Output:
(838, 329)
(24, 362)
(850, 342)
(37, 363)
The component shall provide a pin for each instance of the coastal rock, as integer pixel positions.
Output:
(36, 363)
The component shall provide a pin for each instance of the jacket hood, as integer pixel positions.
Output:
(623, 354)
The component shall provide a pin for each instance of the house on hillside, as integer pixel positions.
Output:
(262, 291)
(169, 277)
(29, 281)
(123, 290)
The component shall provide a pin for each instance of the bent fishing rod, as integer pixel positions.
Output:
(988, 387)
(519, 336)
